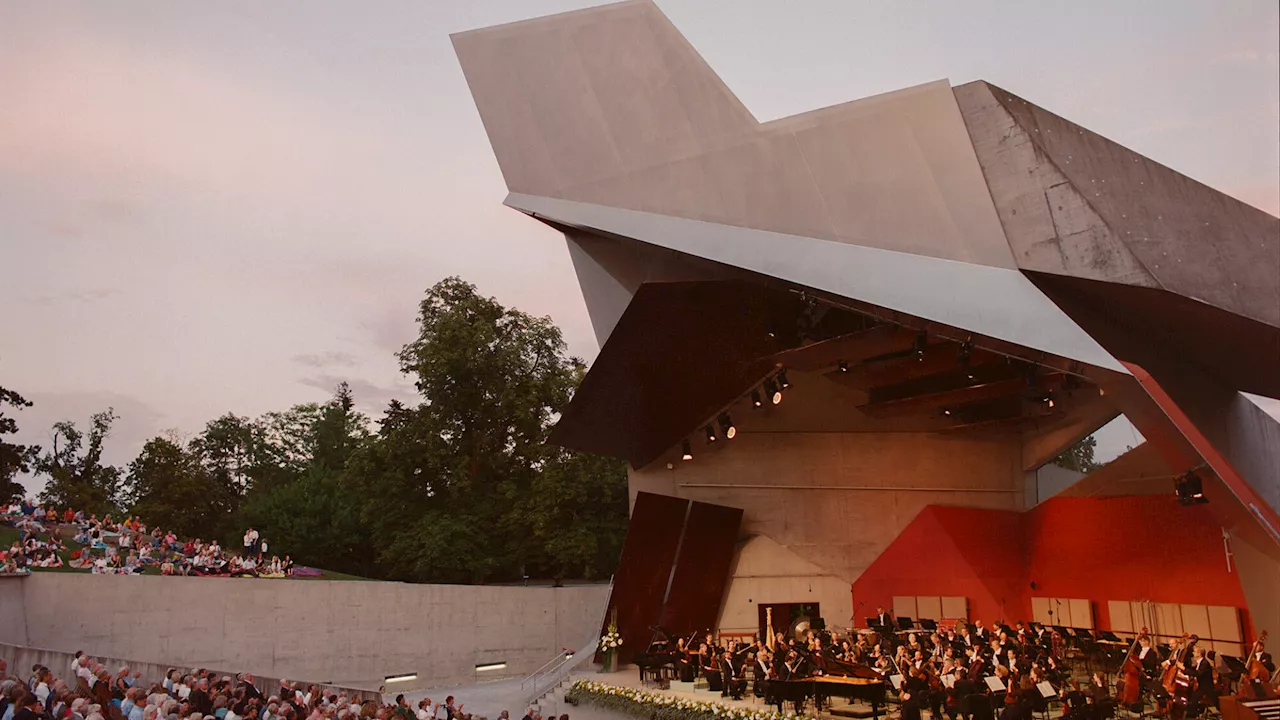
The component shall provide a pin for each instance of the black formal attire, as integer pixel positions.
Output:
(733, 685)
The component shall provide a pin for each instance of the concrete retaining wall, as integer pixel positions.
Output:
(343, 633)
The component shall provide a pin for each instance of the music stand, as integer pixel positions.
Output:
(1234, 664)
(1110, 636)
(928, 625)
(1083, 634)
(872, 622)
(905, 623)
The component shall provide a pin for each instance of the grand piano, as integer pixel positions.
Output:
(658, 661)
(835, 678)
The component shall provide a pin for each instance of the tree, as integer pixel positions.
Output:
(1079, 457)
(14, 458)
(306, 511)
(77, 477)
(448, 483)
(169, 486)
(577, 511)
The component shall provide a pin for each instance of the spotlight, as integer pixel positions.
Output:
(782, 379)
(842, 366)
(755, 399)
(946, 411)
(727, 427)
(1190, 489)
(771, 390)
(711, 434)
(686, 451)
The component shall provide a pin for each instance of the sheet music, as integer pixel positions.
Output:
(995, 683)
(896, 681)
(948, 681)
(1046, 690)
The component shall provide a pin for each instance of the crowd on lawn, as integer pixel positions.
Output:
(89, 691)
(127, 547)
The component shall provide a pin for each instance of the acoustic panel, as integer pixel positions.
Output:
(644, 570)
(1040, 610)
(1081, 612)
(1121, 613)
(928, 607)
(1224, 623)
(1195, 621)
(955, 608)
(702, 568)
(1224, 628)
(1168, 620)
(904, 606)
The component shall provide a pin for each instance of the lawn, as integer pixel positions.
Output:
(10, 535)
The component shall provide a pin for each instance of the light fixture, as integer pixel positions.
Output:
(1190, 489)
(842, 366)
(755, 399)
(727, 426)
(1048, 399)
(491, 666)
(686, 452)
(400, 678)
(772, 391)
(946, 411)
(782, 379)
(922, 339)
(711, 434)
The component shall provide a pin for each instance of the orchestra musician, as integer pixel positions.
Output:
(882, 618)
(732, 683)
(1204, 693)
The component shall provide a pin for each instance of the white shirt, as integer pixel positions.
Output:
(42, 692)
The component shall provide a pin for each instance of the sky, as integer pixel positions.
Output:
(233, 206)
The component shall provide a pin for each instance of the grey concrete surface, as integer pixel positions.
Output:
(352, 633)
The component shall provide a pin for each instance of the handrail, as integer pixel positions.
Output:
(559, 667)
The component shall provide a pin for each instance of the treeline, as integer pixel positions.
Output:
(459, 487)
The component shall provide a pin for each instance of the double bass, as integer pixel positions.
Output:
(1129, 684)
(1253, 684)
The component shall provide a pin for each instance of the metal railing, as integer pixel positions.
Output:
(555, 670)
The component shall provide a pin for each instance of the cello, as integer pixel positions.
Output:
(1253, 684)
(1129, 684)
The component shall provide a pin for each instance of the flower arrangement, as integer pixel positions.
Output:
(610, 641)
(660, 706)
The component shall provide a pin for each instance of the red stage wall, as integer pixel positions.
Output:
(969, 552)
(1129, 548)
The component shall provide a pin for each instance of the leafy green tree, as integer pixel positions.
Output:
(1079, 457)
(449, 484)
(307, 512)
(169, 486)
(77, 478)
(577, 511)
(14, 458)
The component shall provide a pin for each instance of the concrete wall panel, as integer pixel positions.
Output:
(790, 486)
(340, 632)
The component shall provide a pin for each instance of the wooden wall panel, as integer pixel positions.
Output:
(1224, 627)
(702, 569)
(648, 555)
